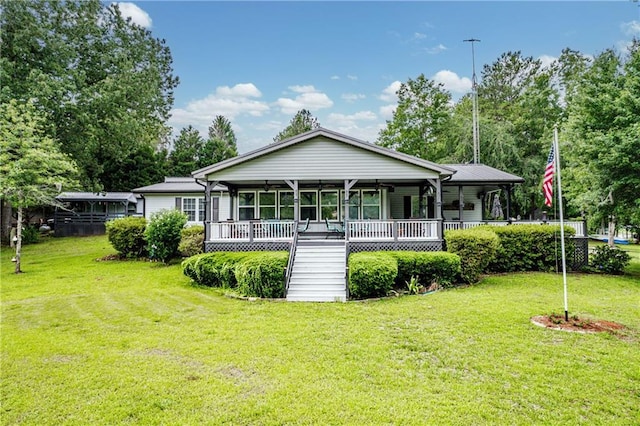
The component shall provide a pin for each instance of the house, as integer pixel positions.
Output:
(85, 213)
(185, 194)
(346, 195)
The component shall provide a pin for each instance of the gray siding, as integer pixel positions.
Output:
(323, 158)
(470, 194)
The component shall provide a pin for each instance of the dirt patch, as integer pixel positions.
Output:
(577, 324)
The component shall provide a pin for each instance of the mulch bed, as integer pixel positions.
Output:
(576, 324)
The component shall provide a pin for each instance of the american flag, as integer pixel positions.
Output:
(547, 182)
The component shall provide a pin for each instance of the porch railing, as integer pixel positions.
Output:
(576, 225)
(253, 231)
(393, 230)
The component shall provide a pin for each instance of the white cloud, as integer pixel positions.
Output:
(435, 49)
(547, 60)
(352, 97)
(389, 92)
(137, 15)
(386, 111)
(309, 98)
(452, 82)
(352, 77)
(344, 120)
(631, 28)
(230, 102)
(419, 36)
(362, 125)
(335, 77)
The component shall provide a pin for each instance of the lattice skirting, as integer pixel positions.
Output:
(581, 254)
(355, 247)
(210, 247)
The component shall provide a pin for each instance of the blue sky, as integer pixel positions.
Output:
(257, 63)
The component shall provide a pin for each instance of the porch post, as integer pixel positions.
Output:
(293, 184)
(460, 203)
(207, 209)
(508, 189)
(437, 185)
(348, 184)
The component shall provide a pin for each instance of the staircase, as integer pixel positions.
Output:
(318, 272)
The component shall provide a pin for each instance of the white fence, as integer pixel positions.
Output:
(393, 230)
(253, 231)
(577, 226)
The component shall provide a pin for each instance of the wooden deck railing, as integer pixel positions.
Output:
(393, 230)
(576, 225)
(253, 231)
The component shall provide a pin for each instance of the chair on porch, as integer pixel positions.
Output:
(303, 227)
(334, 229)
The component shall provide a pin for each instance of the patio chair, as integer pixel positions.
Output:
(302, 228)
(334, 229)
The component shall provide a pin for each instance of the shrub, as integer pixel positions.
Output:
(371, 274)
(609, 260)
(191, 241)
(262, 274)
(476, 247)
(530, 247)
(30, 235)
(440, 267)
(163, 234)
(126, 235)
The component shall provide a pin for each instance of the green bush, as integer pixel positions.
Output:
(262, 275)
(371, 274)
(476, 247)
(30, 235)
(530, 247)
(126, 235)
(439, 267)
(163, 234)
(191, 241)
(609, 260)
(214, 269)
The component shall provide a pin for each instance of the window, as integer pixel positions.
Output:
(189, 207)
(267, 205)
(329, 205)
(308, 205)
(371, 204)
(201, 209)
(354, 205)
(428, 207)
(246, 205)
(286, 205)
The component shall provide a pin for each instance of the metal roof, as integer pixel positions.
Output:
(480, 173)
(320, 131)
(98, 196)
(176, 185)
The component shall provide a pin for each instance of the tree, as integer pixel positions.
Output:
(32, 169)
(420, 120)
(601, 137)
(221, 144)
(187, 150)
(302, 122)
(105, 83)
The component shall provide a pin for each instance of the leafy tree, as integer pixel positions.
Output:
(221, 144)
(187, 150)
(32, 169)
(601, 137)
(420, 120)
(302, 122)
(105, 83)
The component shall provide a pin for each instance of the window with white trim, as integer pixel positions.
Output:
(354, 205)
(189, 207)
(309, 205)
(329, 205)
(267, 205)
(285, 199)
(246, 205)
(371, 204)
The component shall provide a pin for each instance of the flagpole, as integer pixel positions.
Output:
(564, 259)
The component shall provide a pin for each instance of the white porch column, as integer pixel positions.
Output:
(348, 184)
(207, 209)
(293, 184)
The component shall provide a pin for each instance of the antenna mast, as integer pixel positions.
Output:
(474, 98)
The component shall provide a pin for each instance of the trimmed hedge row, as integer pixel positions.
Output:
(126, 235)
(530, 247)
(254, 274)
(477, 248)
(373, 274)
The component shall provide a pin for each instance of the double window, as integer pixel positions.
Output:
(314, 205)
(193, 207)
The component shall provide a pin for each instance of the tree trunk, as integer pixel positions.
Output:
(612, 230)
(5, 221)
(19, 242)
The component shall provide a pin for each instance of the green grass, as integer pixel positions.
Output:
(88, 342)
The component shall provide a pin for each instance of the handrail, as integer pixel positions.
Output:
(292, 257)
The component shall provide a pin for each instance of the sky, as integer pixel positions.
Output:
(258, 63)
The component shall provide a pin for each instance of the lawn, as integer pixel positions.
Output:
(109, 342)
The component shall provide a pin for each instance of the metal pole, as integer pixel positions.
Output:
(564, 260)
(474, 99)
